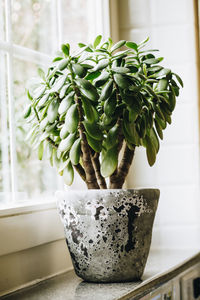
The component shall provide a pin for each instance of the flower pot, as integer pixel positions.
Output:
(108, 232)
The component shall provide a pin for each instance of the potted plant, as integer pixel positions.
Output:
(88, 108)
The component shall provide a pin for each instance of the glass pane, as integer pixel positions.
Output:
(2, 20)
(32, 24)
(75, 22)
(34, 177)
(4, 141)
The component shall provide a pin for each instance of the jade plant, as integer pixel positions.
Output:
(91, 105)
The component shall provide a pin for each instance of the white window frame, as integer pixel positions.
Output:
(21, 223)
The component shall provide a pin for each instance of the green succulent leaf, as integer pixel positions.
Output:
(64, 132)
(79, 70)
(93, 130)
(109, 162)
(66, 143)
(153, 61)
(112, 137)
(110, 105)
(178, 79)
(118, 45)
(121, 81)
(52, 111)
(68, 174)
(88, 110)
(66, 103)
(65, 49)
(120, 70)
(27, 111)
(40, 151)
(107, 90)
(150, 151)
(96, 145)
(102, 79)
(63, 64)
(93, 75)
(87, 89)
(75, 152)
(72, 119)
(97, 41)
(132, 45)
(101, 65)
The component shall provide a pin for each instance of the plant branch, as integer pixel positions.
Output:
(96, 165)
(91, 179)
(117, 181)
(80, 171)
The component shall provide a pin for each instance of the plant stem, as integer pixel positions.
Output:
(100, 178)
(117, 180)
(80, 171)
(91, 179)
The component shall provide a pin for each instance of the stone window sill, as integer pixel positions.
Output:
(163, 266)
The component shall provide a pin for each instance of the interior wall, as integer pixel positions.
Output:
(171, 28)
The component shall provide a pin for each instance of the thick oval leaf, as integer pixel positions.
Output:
(66, 144)
(93, 130)
(59, 83)
(68, 174)
(118, 45)
(102, 79)
(27, 111)
(150, 151)
(152, 61)
(109, 162)
(63, 64)
(178, 79)
(79, 70)
(75, 152)
(101, 65)
(89, 112)
(66, 103)
(121, 70)
(44, 123)
(65, 49)
(64, 90)
(43, 100)
(161, 73)
(121, 81)
(40, 151)
(52, 112)
(132, 45)
(109, 106)
(72, 119)
(97, 41)
(94, 144)
(112, 137)
(107, 90)
(37, 93)
(64, 132)
(93, 75)
(162, 85)
(87, 89)
(158, 129)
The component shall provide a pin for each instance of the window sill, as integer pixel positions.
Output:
(163, 272)
(28, 225)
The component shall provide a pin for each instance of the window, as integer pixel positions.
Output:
(30, 33)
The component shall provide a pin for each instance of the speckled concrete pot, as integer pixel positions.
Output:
(108, 232)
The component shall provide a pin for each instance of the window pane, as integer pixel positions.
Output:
(76, 19)
(2, 20)
(4, 141)
(33, 176)
(32, 24)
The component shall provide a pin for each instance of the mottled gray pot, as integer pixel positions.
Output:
(108, 232)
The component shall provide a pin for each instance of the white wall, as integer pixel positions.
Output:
(171, 27)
